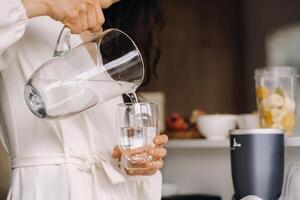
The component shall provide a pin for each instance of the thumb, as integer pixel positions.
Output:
(116, 154)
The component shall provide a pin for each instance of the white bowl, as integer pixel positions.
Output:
(248, 121)
(216, 127)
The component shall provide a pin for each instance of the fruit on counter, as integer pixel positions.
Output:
(175, 122)
(276, 108)
(195, 114)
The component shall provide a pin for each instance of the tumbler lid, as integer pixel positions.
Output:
(256, 131)
(276, 71)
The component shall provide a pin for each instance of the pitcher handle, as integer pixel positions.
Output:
(63, 43)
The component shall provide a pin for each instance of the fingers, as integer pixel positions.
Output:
(100, 22)
(151, 168)
(83, 18)
(155, 164)
(116, 154)
(91, 17)
(158, 153)
(99, 13)
(117, 151)
(107, 3)
(141, 172)
(74, 25)
(136, 151)
(72, 18)
(160, 140)
(81, 15)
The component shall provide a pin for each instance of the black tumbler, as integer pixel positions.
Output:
(257, 163)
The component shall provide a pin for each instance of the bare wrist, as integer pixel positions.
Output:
(35, 8)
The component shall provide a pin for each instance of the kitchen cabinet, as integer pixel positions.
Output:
(200, 61)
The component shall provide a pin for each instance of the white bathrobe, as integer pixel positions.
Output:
(68, 159)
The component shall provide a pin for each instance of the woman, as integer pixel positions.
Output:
(71, 158)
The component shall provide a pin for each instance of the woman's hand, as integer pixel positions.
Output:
(158, 153)
(78, 15)
(107, 3)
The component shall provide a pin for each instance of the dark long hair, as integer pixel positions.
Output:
(143, 21)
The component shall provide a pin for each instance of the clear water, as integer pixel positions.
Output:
(48, 98)
(133, 97)
(133, 138)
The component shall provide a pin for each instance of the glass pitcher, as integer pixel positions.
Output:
(97, 70)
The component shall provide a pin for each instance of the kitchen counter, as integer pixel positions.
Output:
(203, 143)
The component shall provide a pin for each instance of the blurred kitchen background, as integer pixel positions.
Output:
(210, 49)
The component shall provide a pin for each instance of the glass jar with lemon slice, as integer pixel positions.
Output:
(276, 93)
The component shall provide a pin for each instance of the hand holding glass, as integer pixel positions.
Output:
(138, 125)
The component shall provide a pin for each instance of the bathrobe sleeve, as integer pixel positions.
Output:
(150, 187)
(13, 20)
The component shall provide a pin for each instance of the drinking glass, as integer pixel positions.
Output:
(97, 70)
(138, 125)
(276, 92)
